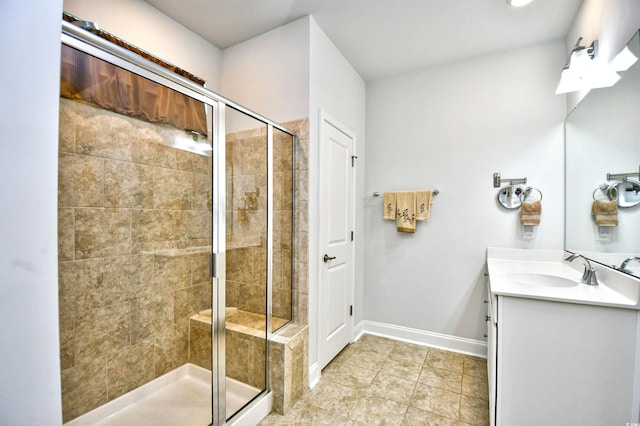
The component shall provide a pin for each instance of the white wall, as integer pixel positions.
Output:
(338, 90)
(611, 22)
(269, 74)
(144, 26)
(451, 127)
(293, 72)
(29, 83)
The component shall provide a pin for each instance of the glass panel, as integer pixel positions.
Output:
(135, 223)
(246, 259)
(283, 220)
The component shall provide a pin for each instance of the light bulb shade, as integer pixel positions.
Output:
(584, 73)
(602, 75)
(570, 81)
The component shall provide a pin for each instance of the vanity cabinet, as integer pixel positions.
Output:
(555, 363)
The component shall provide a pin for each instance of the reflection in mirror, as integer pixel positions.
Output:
(601, 139)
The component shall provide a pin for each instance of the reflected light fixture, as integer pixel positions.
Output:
(623, 60)
(518, 3)
(585, 71)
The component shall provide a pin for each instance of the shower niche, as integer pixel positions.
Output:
(158, 177)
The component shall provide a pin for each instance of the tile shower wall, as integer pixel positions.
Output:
(134, 226)
(246, 221)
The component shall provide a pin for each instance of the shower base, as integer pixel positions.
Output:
(180, 397)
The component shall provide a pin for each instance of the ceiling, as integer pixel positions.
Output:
(381, 38)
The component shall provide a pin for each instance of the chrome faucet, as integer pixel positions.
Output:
(589, 276)
(623, 266)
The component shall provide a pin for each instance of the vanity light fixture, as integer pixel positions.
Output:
(518, 3)
(585, 71)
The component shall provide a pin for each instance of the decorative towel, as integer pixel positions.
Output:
(530, 213)
(423, 205)
(605, 212)
(406, 211)
(389, 205)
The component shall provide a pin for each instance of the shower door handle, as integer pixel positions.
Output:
(327, 258)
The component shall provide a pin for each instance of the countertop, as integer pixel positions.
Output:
(506, 265)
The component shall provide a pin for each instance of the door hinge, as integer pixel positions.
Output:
(353, 160)
(351, 235)
(350, 310)
(212, 265)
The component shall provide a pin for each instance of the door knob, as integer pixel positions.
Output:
(327, 258)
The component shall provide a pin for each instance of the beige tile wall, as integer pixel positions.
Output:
(130, 211)
(246, 223)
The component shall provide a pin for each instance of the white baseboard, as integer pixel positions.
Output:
(358, 331)
(422, 337)
(314, 375)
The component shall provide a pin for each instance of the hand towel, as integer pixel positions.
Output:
(389, 205)
(605, 212)
(423, 205)
(406, 211)
(530, 213)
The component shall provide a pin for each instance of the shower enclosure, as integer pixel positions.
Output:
(175, 242)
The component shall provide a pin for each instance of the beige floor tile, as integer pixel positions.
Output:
(443, 359)
(379, 344)
(403, 369)
(437, 401)
(308, 415)
(409, 353)
(475, 366)
(393, 388)
(474, 411)
(476, 387)
(417, 417)
(349, 375)
(441, 378)
(367, 358)
(372, 410)
(333, 397)
(378, 381)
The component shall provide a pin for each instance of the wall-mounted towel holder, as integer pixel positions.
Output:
(497, 180)
(625, 192)
(377, 194)
(622, 176)
(514, 194)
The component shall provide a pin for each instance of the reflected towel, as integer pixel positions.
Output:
(530, 213)
(605, 212)
(423, 205)
(406, 211)
(389, 205)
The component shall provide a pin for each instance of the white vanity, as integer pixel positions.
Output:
(560, 352)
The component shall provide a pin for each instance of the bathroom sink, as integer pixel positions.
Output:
(542, 280)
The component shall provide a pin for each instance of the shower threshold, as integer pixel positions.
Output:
(180, 397)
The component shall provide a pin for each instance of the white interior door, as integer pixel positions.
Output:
(336, 245)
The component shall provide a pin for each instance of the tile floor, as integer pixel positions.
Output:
(378, 381)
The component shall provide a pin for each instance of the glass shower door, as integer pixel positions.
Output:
(136, 210)
(247, 259)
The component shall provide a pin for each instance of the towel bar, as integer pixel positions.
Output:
(377, 194)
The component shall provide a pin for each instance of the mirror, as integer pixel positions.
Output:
(602, 143)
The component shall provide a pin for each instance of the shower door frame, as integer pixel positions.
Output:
(94, 45)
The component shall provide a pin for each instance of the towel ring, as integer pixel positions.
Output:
(611, 191)
(528, 190)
